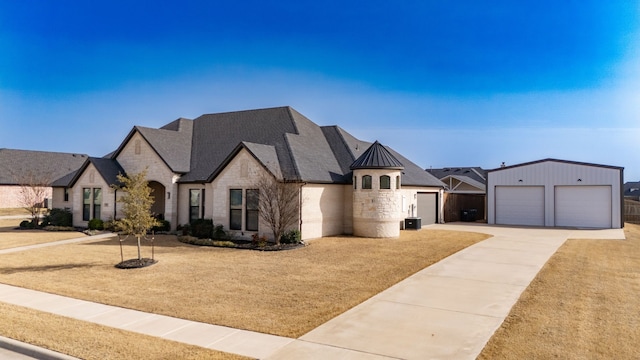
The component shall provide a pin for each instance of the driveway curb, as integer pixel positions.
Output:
(32, 350)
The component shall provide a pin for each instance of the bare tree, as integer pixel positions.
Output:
(278, 204)
(34, 189)
(137, 220)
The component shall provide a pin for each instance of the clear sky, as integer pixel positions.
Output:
(446, 83)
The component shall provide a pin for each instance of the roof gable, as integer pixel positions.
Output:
(475, 173)
(215, 136)
(107, 168)
(172, 143)
(463, 179)
(557, 161)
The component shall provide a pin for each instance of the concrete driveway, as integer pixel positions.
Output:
(446, 311)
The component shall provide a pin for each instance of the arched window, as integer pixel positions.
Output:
(398, 182)
(385, 182)
(366, 182)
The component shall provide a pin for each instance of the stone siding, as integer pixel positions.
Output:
(136, 156)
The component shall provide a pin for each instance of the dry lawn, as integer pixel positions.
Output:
(10, 237)
(91, 341)
(584, 304)
(14, 211)
(285, 293)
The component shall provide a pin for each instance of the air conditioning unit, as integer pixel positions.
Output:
(413, 223)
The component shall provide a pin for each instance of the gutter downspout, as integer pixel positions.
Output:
(300, 209)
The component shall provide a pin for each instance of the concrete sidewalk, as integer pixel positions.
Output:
(446, 311)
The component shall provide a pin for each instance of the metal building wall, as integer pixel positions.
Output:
(553, 173)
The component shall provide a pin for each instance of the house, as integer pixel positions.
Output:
(465, 192)
(553, 192)
(632, 190)
(207, 168)
(20, 168)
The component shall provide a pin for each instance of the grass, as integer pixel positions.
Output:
(286, 293)
(10, 237)
(582, 305)
(14, 211)
(89, 341)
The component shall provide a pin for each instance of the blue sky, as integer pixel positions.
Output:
(464, 83)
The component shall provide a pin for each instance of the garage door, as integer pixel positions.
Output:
(520, 205)
(583, 206)
(427, 208)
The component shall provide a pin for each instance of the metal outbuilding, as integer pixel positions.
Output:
(553, 192)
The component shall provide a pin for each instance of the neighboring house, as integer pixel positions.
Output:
(632, 190)
(209, 166)
(20, 168)
(554, 192)
(465, 192)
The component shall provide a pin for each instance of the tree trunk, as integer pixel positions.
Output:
(139, 257)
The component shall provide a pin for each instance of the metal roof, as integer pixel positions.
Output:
(377, 157)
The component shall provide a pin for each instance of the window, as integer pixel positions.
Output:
(97, 203)
(86, 204)
(66, 194)
(235, 205)
(366, 182)
(355, 182)
(397, 182)
(385, 182)
(91, 197)
(194, 205)
(253, 198)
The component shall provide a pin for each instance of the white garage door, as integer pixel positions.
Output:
(583, 206)
(427, 208)
(520, 205)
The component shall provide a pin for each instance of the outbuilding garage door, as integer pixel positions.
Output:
(427, 208)
(520, 205)
(583, 206)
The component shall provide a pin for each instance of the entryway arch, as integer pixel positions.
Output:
(158, 194)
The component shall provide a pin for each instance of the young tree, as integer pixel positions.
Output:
(137, 219)
(33, 191)
(279, 203)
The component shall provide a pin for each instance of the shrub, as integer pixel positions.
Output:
(202, 228)
(183, 229)
(110, 225)
(58, 217)
(96, 224)
(164, 226)
(291, 237)
(27, 224)
(257, 240)
(219, 233)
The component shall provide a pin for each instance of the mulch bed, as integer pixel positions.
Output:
(136, 263)
(239, 244)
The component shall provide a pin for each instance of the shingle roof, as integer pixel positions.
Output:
(17, 165)
(287, 143)
(632, 188)
(171, 142)
(107, 168)
(476, 173)
(215, 136)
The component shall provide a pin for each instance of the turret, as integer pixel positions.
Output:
(377, 202)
